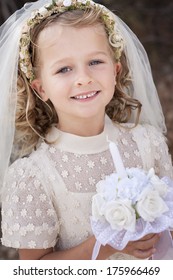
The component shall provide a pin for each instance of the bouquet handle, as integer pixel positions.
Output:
(117, 160)
(96, 250)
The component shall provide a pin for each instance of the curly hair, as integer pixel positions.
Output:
(34, 117)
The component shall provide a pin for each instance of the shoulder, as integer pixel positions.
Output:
(151, 132)
(145, 130)
(26, 169)
(30, 159)
(143, 134)
(139, 127)
(138, 132)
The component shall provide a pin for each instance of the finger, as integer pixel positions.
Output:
(140, 254)
(147, 244)
(148, 236)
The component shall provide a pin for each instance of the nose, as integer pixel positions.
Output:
(83, 78)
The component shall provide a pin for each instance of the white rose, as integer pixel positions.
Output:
(128, 189)
(108, 187)
(120, 215)
(140, 175)
(98, 204)
(131, 186)
(100, 186)
(150, 205)
(159, 185)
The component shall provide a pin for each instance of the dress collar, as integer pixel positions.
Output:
(83, 145)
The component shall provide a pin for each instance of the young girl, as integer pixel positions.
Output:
(73, 75)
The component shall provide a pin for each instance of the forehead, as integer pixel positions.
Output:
(66, 38)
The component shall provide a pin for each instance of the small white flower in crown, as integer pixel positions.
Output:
(82, 1)
(43, 11)
(67, 3)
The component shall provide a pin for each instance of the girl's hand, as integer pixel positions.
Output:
(142, 248)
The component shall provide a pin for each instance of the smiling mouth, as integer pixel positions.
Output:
(86, 96)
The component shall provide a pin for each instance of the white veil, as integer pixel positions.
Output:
(10, 33)
(143, 87)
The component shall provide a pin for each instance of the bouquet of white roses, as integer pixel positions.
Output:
(130, 204)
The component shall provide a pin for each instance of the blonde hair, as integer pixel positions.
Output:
(34, 117)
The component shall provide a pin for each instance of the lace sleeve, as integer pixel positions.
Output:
(29, 219)
(163, 163)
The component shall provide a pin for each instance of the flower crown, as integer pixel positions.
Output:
(59, 7)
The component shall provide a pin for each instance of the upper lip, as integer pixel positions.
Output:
(85, 93)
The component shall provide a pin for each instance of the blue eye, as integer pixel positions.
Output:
(96, 62)
(64, 70)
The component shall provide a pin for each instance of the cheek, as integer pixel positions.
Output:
(111, 87)
(112, 73)
(108, 77)
(112, 81)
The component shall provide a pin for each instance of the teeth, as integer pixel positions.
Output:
(85, 96)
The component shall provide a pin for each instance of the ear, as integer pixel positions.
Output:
(37, 86)
(118, 67)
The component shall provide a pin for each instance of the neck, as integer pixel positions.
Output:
(83, 127)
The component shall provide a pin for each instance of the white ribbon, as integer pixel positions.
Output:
(96, 250)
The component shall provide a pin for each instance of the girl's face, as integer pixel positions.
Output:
(77, 72)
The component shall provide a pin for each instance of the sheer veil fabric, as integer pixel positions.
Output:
(143, 87)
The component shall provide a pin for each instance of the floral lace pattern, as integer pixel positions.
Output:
(84, 171)
(28, 212)
(47, 198)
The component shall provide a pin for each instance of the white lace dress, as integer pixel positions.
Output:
(47, 197)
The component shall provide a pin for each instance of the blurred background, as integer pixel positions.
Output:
(152, 22)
